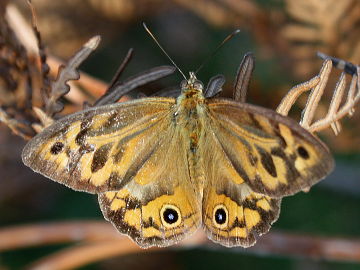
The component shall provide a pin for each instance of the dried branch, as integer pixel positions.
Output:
(291, 97)
(24, 33)
(315, 95)
(41, 52)
(120, 70)
(121, 88)
(317, 86)
(78, 256)
(17, 127)
(66, 73)
(51, 233)
(347, 109)
(101, 241)
(308, 246)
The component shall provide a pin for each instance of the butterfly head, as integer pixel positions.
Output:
(192, 85)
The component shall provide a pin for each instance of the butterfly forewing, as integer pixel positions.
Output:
(101, 148)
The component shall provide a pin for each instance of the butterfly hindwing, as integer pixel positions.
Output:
(160, 206)
(238, 221)
(273, 154)
(233, 215)
(102, 148)
(125, 152)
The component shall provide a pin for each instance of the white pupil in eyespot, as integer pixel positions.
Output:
(170, 215)
(220, 216)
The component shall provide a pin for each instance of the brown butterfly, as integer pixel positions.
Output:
(163, 167)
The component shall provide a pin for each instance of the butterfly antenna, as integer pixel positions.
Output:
(157, 42)
(237, 31)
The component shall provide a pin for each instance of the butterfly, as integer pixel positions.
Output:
(163, 167)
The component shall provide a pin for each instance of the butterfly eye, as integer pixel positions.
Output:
(220, 216)
(170, 216)
(57, 148)
(303, 152)
(183, 84)
(198, 85)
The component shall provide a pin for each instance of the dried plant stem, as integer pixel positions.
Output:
(348, 107)
(90, 84)
(315, 95)
(75, 257)
(315, 247)
(288, 101)
(14, 125)
(78, 256)
(51, 233)
(317, 86)
(103, 241)
(25, 34)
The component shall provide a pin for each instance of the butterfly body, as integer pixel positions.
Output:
(164, 167)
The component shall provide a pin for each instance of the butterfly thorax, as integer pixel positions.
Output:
(190, 106)
(189, 117)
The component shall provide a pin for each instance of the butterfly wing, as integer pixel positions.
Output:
(273, 154)
(233, 214)
(164, 211)
(123, 151)
(99, 149)
(251, 158)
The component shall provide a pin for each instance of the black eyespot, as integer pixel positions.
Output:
(170, 215)
(303, 152)
(220, 216)
(57, 148)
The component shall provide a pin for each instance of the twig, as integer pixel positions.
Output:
(315, 95)
(75, 257)
(121, 69)
(106, 242)
(66, 73)
(14, 125)
(24, 33)
(52, 233)
(291, 97)
(91, 85)
(348, 107)
(119, 89)
(317, 86)
(308, 246)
